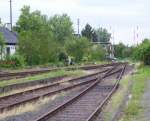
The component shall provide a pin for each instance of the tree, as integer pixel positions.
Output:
(142, 52)
(35, 37)
(2, 43)
(62, 28)
(97, 53)
(119, 49)
(23, 24)
(103, 35)
(37, 47)
(41, 39)
(87, 32)
(77, 48)
(94, 36)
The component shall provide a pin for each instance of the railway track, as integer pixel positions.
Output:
(10, 101)
(14, 100)
(8, 76)
(86, 105)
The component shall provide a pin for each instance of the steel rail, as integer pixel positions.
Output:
(52, 84)
(99, 108)
(2, 108)
(70, 101)
(33, 72)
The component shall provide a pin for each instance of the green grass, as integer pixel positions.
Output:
(42, 76)
(139, 83)
(116, 99)
(53, 66)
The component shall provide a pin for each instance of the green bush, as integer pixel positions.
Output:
(142, 52)
(14, 61)
(77, 48)
(97, 53)
(63, 56)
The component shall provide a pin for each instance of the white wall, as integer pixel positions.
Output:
(12, 49)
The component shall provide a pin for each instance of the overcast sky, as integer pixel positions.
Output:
(120, 17)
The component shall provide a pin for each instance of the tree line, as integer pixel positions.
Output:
(51, 40)
(45, 40)
(140, 52)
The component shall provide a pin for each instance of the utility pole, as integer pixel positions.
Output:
(134, 36)
(137, 34)
(113, 44)
(11, 14)
(78, 24)
(112, 31)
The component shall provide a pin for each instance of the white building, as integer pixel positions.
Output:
(10, 41)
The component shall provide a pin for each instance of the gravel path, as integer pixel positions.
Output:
(145, 116)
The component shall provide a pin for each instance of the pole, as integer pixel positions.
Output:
(11, 14)
(78, 23)
(134, 36)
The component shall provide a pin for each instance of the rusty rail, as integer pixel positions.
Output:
(5, 76)
(14, 104)
(70, 101)
(99, 108)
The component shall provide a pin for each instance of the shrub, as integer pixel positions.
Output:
(14, 61)
(142, 52)
(97, 53)
(62, 56)
(77, 48)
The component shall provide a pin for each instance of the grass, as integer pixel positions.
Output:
(41, 76)
(19, 90)
(134, 107)
(116, 99)
(52, 65)
(30, 107)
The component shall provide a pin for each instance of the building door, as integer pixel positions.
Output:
(8, 51)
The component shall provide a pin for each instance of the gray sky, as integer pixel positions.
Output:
(120, 17)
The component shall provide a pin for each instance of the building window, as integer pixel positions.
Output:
(8, 50)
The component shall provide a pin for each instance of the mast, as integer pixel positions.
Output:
(11, 15)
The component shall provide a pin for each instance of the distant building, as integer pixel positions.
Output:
(11, 41)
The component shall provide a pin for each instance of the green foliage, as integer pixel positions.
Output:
(103, 35)
(2, 43)
(63, 56)
(45, 40)
(17, 59)
(42, 39)
(123, 51)
(13, 61)
(119, 50)
(97, 53)
(94, 36)
(142, 52)
(134, 108)
(37, 47)
(62, 28)
(98, 35)
(77, 48)
(87, 32)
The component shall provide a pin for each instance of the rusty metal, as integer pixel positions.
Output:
(99, 108)
(70, 101)
(83, 80)
(8, 76)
